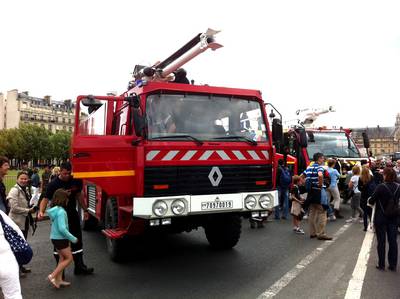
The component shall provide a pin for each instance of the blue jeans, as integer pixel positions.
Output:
(283, 194)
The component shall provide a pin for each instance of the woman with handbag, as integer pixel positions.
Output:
(9, 269)
(386, 201)
(20, 212)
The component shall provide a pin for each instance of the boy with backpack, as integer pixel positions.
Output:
(283, 181)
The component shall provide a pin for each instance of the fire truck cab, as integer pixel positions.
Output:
(172, 157)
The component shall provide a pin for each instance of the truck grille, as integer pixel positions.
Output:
(91, 193)
(194, 180)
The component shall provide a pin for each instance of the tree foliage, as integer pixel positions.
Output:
(35, 143)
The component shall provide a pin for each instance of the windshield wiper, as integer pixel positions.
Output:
(251, 141)
(198, 141)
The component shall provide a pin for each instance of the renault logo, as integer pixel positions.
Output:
(215, 176)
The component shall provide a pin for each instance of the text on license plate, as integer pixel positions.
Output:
(214, 205)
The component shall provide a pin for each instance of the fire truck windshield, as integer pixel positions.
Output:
(332, 144)
(204, 117)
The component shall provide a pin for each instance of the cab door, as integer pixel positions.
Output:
(103, 153)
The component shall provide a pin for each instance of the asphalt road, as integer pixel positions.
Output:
(183, 266)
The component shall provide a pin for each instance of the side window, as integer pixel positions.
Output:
(92, 121)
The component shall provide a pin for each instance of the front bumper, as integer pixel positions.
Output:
(203, 204)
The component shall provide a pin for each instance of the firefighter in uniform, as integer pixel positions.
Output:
(74, 187)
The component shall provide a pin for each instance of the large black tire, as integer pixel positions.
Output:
(115, 248)
(223, 231)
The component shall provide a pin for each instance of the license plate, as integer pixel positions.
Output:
(216, 205)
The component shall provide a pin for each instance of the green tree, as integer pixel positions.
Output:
(61, 142)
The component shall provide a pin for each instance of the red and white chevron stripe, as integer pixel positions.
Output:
(204, 155)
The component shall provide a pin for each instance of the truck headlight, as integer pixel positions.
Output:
(178, 207)
(160, 208)
(250, 202)
(265, 201)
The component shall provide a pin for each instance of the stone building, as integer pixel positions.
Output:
(384, 141)
(21, 108)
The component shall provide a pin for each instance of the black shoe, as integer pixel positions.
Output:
(83, 270)
(80, 267)
(260, 225)
(392, 268)
(313, 236)
(25, 270)
(252, 225)
(380, 268)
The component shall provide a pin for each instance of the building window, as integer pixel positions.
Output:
(69, 120)
(63, 120)
(50, 127)
(70, 129)
(41, 117)
(26, 116)
(64, 128)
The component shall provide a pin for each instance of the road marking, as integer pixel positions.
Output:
(357, 280)
(296, 270)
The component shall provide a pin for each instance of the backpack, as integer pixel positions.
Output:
(286, 178)
(392, 207)
(327, 178)
(308, 183)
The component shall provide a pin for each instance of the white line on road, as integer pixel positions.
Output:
(357, 280)
(292, 274)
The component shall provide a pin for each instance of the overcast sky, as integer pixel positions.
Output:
(300, 54)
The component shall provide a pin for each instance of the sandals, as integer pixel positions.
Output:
(53, 281)
(64, 283)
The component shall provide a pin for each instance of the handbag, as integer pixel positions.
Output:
(22, 251)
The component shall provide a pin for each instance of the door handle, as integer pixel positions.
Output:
(81, 155)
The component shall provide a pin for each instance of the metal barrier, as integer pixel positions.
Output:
(9, 181)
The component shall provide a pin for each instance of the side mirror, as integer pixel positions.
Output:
(302, 137)
(92, 103)
(311, 136)
(133, 100)
(365, 140)
(277, 131)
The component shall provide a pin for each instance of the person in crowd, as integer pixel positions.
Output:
(60, 236)
(366, 185)
(386, 225)
(74, 187)
(317, 211)
(333, 189)
(355, 199)
(35, 186)
(9, 269)
(297, 204)
(397, 168)
(20, 210)
(54, 173)
(25, 167)
(4, 167)
(283, 181)
(45, 179)
(377, 175)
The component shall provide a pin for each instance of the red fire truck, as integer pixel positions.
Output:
(172, 157)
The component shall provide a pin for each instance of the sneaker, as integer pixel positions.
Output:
(332, 218)
(360, 221)
(351, 220)
(300, 231)
(324, 238)
(305, 217)
(295, 229)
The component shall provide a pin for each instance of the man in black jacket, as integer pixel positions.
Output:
(386, 225)
(74, 187)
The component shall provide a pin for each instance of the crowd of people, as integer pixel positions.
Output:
(372, 188)
(55, 194)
